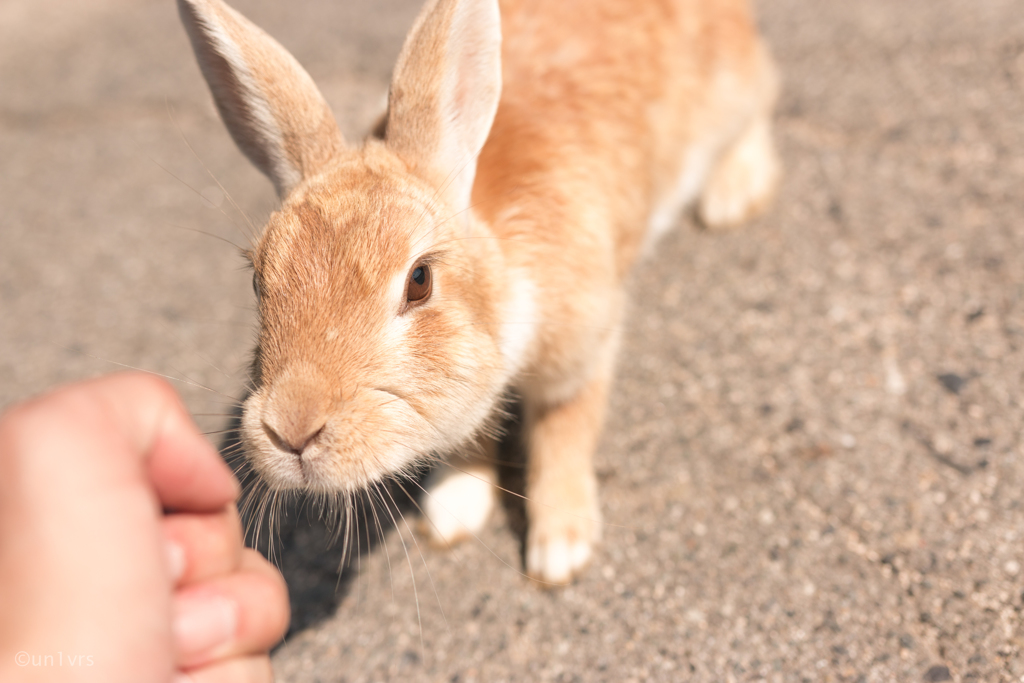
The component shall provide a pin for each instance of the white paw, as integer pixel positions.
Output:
(744, 180)
(560, 541)
(557, 560)
(457, 504)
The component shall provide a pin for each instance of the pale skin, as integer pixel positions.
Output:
(121, 554)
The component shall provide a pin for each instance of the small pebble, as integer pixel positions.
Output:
(938, 673)
(952, 382)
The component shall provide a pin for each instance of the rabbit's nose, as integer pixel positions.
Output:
(294, 414)
(294, 436)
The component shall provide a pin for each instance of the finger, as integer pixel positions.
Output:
(254, 669)
(184, 468)
(84, 474)
(210, 544)
(126, 429)
(245, 612)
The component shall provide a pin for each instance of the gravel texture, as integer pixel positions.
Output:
(813, 466)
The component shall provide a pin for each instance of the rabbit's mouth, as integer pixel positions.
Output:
(298, 440)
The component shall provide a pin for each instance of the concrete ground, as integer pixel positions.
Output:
(813, 465)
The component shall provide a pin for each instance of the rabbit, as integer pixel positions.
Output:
(532, 151)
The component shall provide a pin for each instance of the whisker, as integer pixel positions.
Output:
(183, 379)
(380, 531)
(203, 232)
(536, 502)
(485, 546)
(412, 574)
(184, 138)
(423, 559)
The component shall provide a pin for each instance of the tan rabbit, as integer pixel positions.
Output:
(531, 154)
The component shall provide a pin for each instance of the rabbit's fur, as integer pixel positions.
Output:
(531, 154)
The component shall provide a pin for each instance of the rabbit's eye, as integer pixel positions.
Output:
(419, 285)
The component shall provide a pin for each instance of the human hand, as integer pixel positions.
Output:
(121, 554)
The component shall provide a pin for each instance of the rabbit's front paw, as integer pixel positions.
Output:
(744, 180)
(560, 542)
(458, 503)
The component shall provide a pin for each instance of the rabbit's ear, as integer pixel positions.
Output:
(445, 92)
(269, 103)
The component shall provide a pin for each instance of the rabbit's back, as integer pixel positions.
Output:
(615, 99)
(612, 114)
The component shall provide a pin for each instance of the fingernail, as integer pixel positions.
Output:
(202, 624)
(175, 560)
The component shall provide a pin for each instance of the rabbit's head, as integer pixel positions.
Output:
(381, 338)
